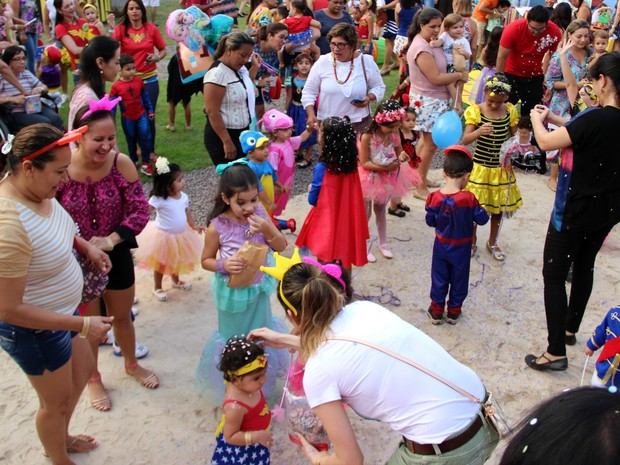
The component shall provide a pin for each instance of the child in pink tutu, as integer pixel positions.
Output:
(169, 245)
(384, 175)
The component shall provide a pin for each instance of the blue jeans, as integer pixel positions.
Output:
(137, 131)
(36, 350)
(152, 88)
(31, 51)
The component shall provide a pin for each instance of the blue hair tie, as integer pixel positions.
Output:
(224, 166)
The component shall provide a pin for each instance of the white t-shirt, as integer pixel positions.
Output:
(449, 43)
(171, 216)
(380, 387)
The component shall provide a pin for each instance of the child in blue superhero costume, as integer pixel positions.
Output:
(452, 212)
(607, 336)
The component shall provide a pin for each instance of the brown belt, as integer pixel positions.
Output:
(449, 444)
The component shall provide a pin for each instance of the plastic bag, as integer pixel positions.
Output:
(301, 419)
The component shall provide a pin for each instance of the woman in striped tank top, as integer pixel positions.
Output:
(495, 187)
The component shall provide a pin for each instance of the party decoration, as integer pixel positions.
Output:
(447, 129)
(197, 36)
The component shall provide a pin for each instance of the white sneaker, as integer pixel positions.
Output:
(141, 350)
(371, 258)
(135, 311)
(108, 340)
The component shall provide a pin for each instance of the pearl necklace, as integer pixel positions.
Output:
(348, 75)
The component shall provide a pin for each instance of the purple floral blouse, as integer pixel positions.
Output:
(109, 205)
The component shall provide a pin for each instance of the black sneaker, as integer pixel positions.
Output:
(436, 320)
(451, 318)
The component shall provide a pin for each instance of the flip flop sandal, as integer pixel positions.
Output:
(396, 212)
(418, 195)
(304, 164)
(150, 381)
(82, 443)
(474, 249)
(496, 252)
(161, 295)
(103, 404)
(403, 207)
(182, 285)
(430, 183)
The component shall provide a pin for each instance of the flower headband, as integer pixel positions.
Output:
(224, 166)
(497, 87)
(69, 137)
(105, 104)
(391, 116)
(162, 166)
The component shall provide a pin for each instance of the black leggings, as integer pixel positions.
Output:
(215, 146)
(562, 249)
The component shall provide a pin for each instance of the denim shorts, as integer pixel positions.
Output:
(36, 350)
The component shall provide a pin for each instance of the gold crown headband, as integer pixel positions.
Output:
(282, 265)
(258, 362)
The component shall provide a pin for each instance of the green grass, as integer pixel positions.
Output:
(186, 147)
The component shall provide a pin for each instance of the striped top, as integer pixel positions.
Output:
(488, 146)
(39, 248)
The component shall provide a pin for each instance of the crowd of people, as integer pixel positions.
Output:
(546, 86)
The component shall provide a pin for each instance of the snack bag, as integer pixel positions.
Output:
(301, 419)
(254, 255)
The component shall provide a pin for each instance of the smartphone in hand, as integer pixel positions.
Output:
(357, 100)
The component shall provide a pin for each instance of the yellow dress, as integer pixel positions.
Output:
(495, 187)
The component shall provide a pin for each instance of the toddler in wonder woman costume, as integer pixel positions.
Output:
(243, 435)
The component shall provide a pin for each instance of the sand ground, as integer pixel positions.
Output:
(503, 321)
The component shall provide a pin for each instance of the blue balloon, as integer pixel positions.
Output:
(447, 129)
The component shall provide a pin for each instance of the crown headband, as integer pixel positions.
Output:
(497, 87)
(391, 116)
(224, 166)
(105, 104)
(283, 264)
(162, 166)
(257, 363)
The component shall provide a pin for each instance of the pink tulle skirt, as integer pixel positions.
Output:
(381, 186)
(168, 253)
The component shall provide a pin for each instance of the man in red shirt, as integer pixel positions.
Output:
(523, 56)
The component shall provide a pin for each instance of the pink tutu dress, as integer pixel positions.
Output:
(168, 245)
(378, 186)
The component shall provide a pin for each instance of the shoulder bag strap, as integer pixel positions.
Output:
(408, 362)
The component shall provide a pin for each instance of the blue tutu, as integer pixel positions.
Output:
(239, 311)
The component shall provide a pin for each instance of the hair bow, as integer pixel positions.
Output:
(333, 270)
(224, 166)
(105, 104)
(8, 144)
(162, 165)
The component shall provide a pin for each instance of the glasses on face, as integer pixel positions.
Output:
(536, 30)
(338, 45)
(589, 90)
(22, 58)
